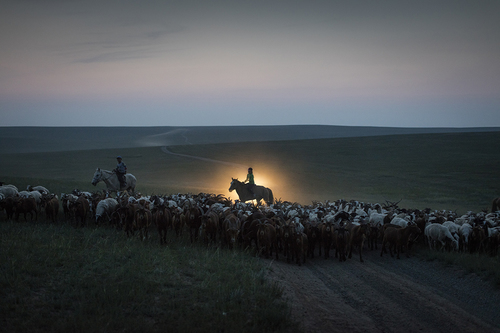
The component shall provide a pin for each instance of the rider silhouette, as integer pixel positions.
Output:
(250, 180)
(121, 170)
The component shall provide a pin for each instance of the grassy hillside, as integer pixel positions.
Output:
(440, 171)
(455, 171)
(46, 139)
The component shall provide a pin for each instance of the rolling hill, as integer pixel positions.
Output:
(49, 139)
(454, 171)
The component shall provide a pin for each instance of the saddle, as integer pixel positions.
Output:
(122, 180)
(251, 188)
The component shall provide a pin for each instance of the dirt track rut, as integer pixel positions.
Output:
(387, 295)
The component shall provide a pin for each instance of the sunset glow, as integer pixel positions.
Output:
(391, 63)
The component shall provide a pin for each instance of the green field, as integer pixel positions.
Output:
(56, 278)
(453, 171)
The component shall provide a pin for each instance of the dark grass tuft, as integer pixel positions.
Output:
(57, 278)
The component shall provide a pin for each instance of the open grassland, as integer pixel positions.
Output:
(439, 171)
(456, 171)
(60, 279)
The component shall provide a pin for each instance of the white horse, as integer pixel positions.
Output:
(111, 180)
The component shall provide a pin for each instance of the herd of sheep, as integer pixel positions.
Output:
(291, 230)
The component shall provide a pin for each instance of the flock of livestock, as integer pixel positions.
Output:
(286, 229)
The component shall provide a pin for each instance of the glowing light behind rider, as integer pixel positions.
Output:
(264, 176)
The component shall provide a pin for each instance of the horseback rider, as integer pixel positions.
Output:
(251, 182)
(121, 170)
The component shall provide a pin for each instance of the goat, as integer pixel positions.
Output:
(163, 220)
(231, 227)
(399, 238)
(142, 221)
(299, 247)
(341, 237)
(26, 205)
(193, 220)
(267, 240)
(210, 226)
(327, 235)
(357, 238)
(313, 236)
(287, 235)
(178, 220)
(80, 209)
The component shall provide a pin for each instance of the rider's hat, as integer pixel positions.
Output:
(118, 157)
(250, 169)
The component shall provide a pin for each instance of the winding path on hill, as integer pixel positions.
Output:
(167, 151)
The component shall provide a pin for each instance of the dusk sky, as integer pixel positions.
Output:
(214, 63)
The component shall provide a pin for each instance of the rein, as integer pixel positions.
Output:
(104, 179)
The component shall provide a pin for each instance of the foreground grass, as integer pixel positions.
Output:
(57, 278)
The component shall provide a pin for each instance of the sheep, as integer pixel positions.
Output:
(402, 222)
(38, 198)
(9, 191)
(9, 185)
(436, 232)
(492, 219)
(453, 227)
(106, 208)
(375, 221)
(466, 218)
(464, 233)
(40, 189)
(493, 240)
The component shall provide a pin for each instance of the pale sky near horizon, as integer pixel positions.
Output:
(222, 63)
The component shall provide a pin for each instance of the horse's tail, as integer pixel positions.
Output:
(271, 196)
(495, 205)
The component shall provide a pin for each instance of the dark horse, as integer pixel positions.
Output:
(495, 205)
(261, 192)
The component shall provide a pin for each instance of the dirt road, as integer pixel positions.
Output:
(387, 295)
